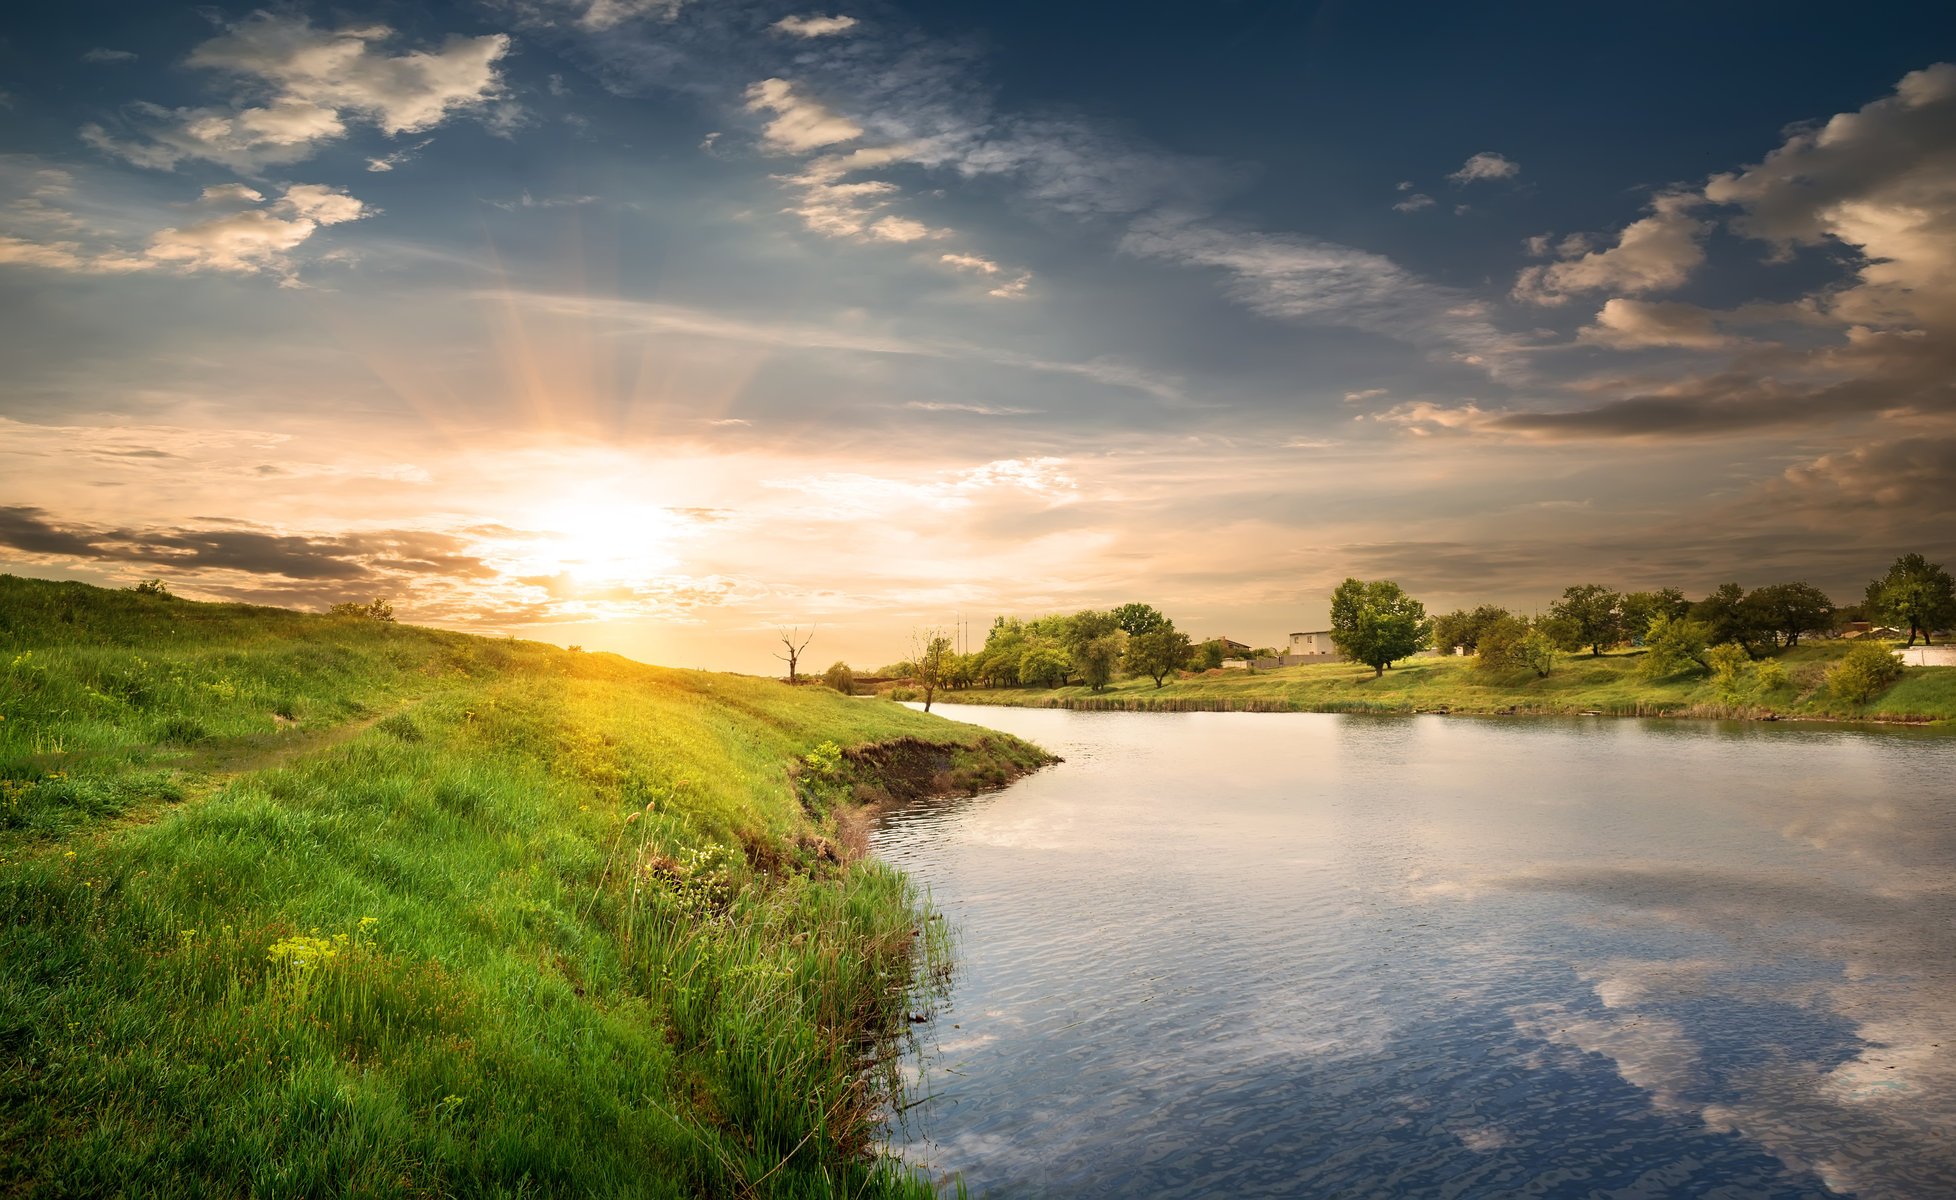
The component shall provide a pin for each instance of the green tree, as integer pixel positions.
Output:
(1731, 618)
(151, 587)
(1915, 592)
(1639, 609)
(841, 678)
(1589, 614)
(1044, 664)
(1793, 609)
(1864, 672)
(935, 658)
(1100, 658)
(1463, 628)
(1136, 619)
(1158, 653)
(1375, 622)
(376, 609)
(1509, 643)
(1674, 645)
(1209, 655)
(1084, 628)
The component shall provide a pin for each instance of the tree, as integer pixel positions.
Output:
(1915, 592)
(1674, 645)
(1100, 658)
(1590, 615)
(1639, 609)
(1209, 655)
(935, 659)
(1158, 652)
(1730, 618)
(1044, 663)
(1793, 609)
(1082, 629)
(1511, 644)
(794, 648)
(151, 587)
(841, 678)
(1462, 628)
(1136, 619)
(1377, 623)
(1864, 672)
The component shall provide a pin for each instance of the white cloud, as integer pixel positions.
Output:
(1485, 165)
(902, 229)
(1630, 324)
(102, 54)
(799, 124)
(598, 15)
(1653, 254)
(312, 84)
(814, 27)
(1414, 203)
(252, 236)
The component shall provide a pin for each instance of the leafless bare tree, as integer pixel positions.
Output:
(793, 656)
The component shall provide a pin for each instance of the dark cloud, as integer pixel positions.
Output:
(365, 557)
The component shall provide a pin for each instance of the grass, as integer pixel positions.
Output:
(310, 906)
(1611, 684)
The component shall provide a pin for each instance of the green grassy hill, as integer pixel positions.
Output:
(1610, 684)
(304, 906)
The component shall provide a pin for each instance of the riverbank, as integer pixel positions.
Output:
(301, 905)
(1610, 685)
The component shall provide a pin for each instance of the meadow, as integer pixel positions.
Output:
(1611, 685)
(299, 905)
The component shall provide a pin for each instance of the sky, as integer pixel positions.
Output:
(658, 325)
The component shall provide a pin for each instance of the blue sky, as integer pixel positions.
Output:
(653, 324)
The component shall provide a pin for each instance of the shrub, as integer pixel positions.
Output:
(1673, 645)
(841, 678)
(1863, 673)
(151, 587)
(376, 609)
(903, 693)
(1508, 643)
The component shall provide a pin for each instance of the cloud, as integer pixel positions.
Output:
(348, 557)
(1304, 279)
(394, 158)
(601, 15)
(799, 124)
(1632, 324)
(1414, 203)
(814, 27)
(1485, 165)
(1914, 476)
(102, 54)
(311, 84)
(249, 236)
(1656, 253)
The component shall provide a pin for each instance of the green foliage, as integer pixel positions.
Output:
(1377, 623)
(573, 935)
(1915, 593)
(840, 678)
(1100, 658)
(151, 587)
(1729, 615)
(936, 663)
(376, 609)
(1209, 655)
(1731, 673)
(1044, 664)
(1792, 610)
(1588, 614)
(1158, 653)
(1674, 645)
(1136, 619)
(1464, 628)
(1639, 609)
(1507, 643)
(1868, 669)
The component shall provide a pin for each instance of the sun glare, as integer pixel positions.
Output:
(598, 545)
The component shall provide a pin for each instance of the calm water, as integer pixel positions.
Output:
(1297, 955)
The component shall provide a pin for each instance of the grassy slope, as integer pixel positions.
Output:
(297, 905)
(1609, 684)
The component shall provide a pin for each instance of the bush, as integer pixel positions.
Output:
(841, 678)
(151, 587)
(1863, 673)
(375, 610)
(1508, 643)
(903, 693)
(1674, 645)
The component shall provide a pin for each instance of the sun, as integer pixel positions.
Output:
(598, 544)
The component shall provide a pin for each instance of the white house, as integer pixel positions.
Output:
(1311, 646)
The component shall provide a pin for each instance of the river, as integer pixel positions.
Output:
(1231, 954)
